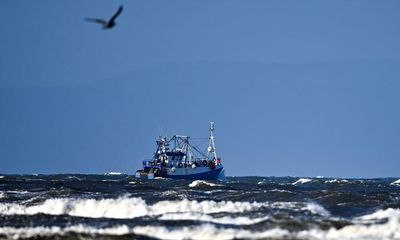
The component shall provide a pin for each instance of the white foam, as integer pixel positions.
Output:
(389, 230)
(302, 181)
(337, 181)
(1, 177)
(203, 232)
(280, 190)
(397, 182)
(207, 231)
(18, 192)
(31, 232)
(261, 182)
(124, 207)
(208, 218)
(389, 213)
(113, 173)
(316, 209)
(202, 183)
(2, 194)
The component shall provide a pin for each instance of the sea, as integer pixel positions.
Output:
(118, 206)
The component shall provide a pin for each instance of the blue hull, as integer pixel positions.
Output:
(210, 175)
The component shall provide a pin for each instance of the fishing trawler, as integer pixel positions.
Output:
(178, 158)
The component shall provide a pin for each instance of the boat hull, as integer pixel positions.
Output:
(200, 173)
(214, 174)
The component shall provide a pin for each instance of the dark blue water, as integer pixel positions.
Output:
(120, 206)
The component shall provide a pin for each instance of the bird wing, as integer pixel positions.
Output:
(112, 19)
(96, 20)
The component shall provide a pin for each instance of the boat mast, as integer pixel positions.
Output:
(211, 146)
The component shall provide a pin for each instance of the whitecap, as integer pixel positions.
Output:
(302, 181)
(1, 177)
(2, 194)
(280, 190)
(337, 181)
(125, 207)
(34, 232)
(18, 192)
(397, 182)
(208, 218)
(389, 230)
(389, 213)
(207, 231)
(202, 183)
(261, 182)
(316, 209)
(220, 191)
(203, 232)
(113, 173)
(74, 177)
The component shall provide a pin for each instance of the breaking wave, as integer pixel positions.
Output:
(202, 183)
(302, 181)
(397, 182)
(203, 232)
(387, 230)
(124, 207)
(337, 181)
(208, 218)
(386, 214)
(114, 173)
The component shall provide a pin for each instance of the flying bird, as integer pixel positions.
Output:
(106, 24)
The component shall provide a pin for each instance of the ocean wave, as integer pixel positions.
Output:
(113, 173)
(2, 194)
(208, 231)
(208, 218)
(311, 207)
(131, 207)
(18, 192)
(110, 180)
(397, 182)
(337, 181)
(316, 209)
(1, 177)
(302, 181)
(124, 207)
(203, 232)
(202, 183)
(262, 182)
(390, 213)
(34, 232)
(389, 230)
(279, 190)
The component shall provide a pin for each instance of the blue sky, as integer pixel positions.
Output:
(300, 88)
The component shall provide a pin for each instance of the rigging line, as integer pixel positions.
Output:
(199, 151)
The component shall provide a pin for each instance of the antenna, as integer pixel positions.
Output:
(211, 145)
